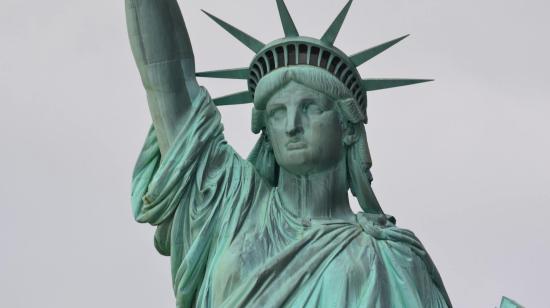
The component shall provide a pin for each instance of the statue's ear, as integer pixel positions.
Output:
(350, 133)
(351, 117)
(351, 111)
(265, 136)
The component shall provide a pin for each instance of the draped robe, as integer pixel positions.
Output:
(234, 243)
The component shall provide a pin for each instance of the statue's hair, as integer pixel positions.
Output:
(357, 154)
(311, 77)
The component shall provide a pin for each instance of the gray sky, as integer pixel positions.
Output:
(463, 161)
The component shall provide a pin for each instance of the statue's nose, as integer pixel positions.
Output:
(294, 123)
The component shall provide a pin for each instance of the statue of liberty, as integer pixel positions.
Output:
(276, 229)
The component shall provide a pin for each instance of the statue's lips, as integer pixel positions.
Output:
(296, 145)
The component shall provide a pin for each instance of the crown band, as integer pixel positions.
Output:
(306, 51)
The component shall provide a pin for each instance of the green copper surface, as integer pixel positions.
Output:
(276, 229)
(508, 303)
(331, 59)
(244, 38)
(364, 56)
(386, 83)
(332, 32)
(288, 24)
(234, 99)
(236, 73)
(300, 50)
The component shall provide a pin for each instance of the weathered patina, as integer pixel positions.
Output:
(275, 229)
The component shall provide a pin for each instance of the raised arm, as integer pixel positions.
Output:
(164, 56)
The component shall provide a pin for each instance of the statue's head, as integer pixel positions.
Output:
(310, 122)
(302, 112)
(309, 103)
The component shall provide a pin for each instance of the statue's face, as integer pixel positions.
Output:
(304, 129)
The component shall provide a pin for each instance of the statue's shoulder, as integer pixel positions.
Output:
(400, 249)
(383, 227)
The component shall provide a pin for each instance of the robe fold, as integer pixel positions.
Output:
(233, 243)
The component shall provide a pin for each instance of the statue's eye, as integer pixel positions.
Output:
(313, 108)
(277, 114)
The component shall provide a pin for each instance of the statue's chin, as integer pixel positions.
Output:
(300, 158)
(297, 162)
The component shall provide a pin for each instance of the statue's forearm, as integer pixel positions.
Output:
(164, 56)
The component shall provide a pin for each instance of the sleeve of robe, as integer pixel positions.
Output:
(405, 273)
(200, 186)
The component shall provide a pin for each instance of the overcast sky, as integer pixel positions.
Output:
(463, 161)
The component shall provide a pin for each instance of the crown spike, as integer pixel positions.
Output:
(288, 24)
(244, 38)
(365, 55)
(234, 99)
(379, 84)
(332, 32)
(235, 73)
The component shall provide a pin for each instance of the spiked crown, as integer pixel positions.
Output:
(294, 49)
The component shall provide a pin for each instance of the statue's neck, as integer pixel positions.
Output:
(323, 195)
